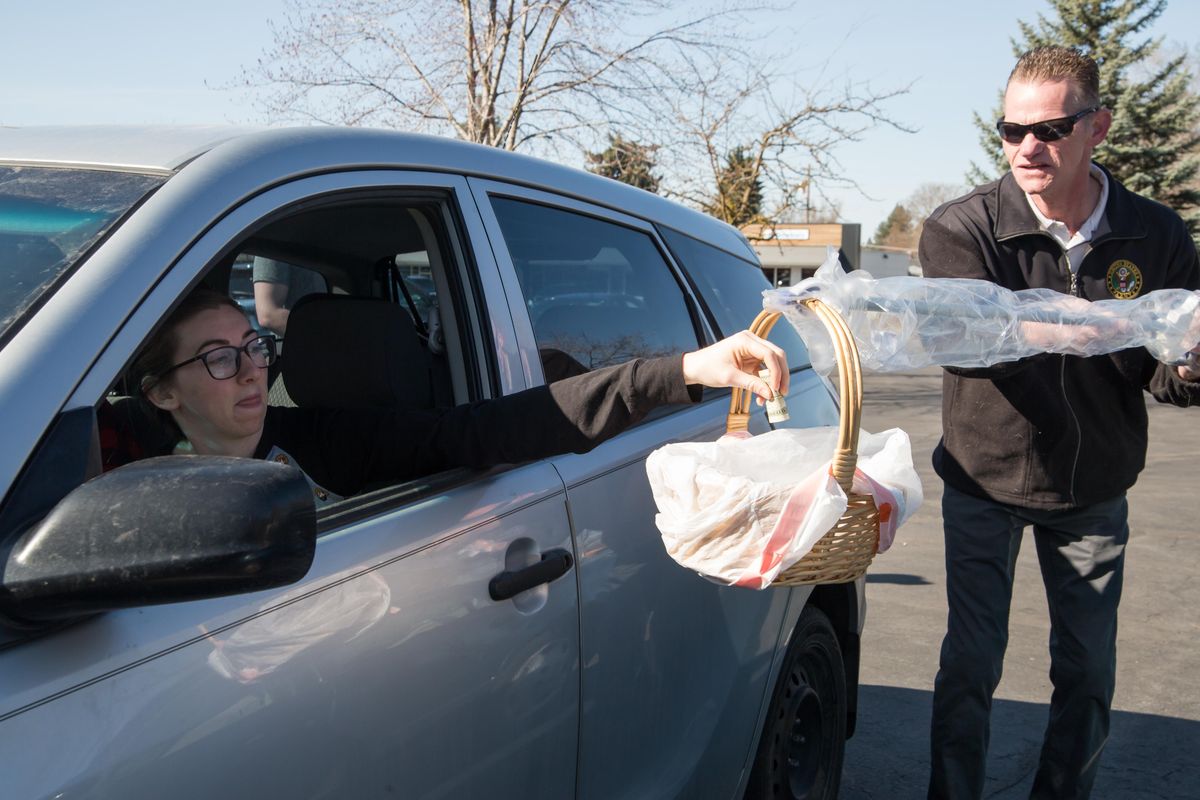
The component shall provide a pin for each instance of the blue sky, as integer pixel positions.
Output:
(69, 61)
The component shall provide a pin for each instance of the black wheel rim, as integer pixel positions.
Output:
(805, 743)
(800, 756)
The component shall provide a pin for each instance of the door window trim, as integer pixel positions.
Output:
(220, 238)
(487, 327)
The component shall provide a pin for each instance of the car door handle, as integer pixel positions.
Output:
(554, 565)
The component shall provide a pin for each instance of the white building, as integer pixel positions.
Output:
(792, 251)
(885, 262)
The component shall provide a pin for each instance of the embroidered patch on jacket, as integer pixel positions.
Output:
(1124, 280)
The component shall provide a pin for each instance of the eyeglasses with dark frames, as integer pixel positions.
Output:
(225, 362)
(1048, 130)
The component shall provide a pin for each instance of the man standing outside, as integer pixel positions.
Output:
(1050, 441)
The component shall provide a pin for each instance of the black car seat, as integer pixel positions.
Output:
(356, 352)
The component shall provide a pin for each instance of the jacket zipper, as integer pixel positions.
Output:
(1062, 375)
(1065, 262)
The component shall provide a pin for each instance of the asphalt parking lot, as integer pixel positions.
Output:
(1154, 745)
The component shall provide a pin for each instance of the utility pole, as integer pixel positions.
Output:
(806, 184)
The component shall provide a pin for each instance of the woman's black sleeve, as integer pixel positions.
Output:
(572, 415)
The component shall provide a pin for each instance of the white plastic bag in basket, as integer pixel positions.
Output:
(744, 508)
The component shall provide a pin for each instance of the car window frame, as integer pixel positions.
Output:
(490, 333)
(220, 239)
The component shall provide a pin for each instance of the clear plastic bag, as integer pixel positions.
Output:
(906, 322)
(744, 508)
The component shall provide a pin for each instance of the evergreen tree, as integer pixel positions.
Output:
(896, 230)
(739, 196)
(627, 162)
(1152, 146)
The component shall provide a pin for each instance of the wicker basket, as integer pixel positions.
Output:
(845, 552)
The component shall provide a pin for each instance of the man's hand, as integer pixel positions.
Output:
(735, 361)
(1190, 370)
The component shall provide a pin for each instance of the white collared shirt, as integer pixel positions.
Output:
(1076, 246)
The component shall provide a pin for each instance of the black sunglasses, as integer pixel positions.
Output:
(225, 361)
(1049, 130)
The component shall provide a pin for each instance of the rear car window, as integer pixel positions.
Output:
(49, 218)
(598, 293)
(732, 289)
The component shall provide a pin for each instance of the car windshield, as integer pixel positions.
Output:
(49, 218)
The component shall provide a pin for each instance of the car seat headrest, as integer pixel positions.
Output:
(354, 352)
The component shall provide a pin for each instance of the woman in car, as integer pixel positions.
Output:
(205, 371)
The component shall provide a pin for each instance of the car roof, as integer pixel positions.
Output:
(289, 152)
(135, 147)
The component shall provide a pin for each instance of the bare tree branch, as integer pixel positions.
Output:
(471, 68)
(787, 146)
(554, 74)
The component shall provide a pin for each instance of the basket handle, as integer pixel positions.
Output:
(845, 456)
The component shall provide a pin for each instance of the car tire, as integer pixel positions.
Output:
(804, 737)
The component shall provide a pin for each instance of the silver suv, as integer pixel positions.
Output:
(196, 628)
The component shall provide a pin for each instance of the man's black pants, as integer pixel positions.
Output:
(1082, 554)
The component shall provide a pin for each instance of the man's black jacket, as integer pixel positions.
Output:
(1055, 431)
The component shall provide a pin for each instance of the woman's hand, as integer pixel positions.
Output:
(735, 361)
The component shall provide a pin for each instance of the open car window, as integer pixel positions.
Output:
(357, 278)
(374, 328)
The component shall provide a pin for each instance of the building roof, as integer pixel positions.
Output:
(795, 244)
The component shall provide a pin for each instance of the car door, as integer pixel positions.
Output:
(388, 670)
(674, 666)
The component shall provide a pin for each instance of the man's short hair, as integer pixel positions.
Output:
(1057, 63)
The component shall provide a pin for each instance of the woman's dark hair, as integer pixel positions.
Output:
(153, 430)
(159, 354)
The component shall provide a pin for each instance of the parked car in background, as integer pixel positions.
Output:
(194, 628)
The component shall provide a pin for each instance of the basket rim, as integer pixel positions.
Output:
(850, 389)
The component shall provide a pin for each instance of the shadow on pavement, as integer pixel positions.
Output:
(897, 578)
(1147, 756)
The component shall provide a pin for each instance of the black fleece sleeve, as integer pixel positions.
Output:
(570, 416)
(1166, 386)
(357, 448)
(1183, 272)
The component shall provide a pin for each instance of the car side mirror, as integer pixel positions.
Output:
(163, 530)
